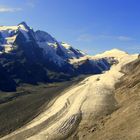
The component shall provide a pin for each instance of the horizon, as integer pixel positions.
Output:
(92, 26)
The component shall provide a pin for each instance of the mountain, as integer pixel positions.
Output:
(33, 57)
(104, 106)
(97, 98)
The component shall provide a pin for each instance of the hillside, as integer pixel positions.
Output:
(124, 122)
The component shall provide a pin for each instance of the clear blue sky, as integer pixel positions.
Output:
(90, 25)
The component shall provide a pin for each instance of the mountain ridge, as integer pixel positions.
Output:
(32, 57)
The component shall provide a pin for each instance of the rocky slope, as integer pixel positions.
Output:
(28, 56)
(123, 123)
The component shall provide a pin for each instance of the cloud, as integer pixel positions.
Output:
(4, 9)
(86, 37)
(31, 3)
(125, 38)
(134, 48)
(89, 37)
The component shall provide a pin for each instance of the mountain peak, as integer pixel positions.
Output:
(23, 23)
(115, 52)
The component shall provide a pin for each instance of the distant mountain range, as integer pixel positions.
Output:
(28, 56)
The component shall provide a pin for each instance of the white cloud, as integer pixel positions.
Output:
(134, 48)
(4, 9)
(125, 38)
(31, 3)
(86, 37)
(89, 37)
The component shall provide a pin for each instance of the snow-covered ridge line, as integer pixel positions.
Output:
(57, 50)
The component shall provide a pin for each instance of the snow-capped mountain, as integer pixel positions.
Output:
(29, 56)
(50, 45)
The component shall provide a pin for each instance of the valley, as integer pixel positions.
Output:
(51, 91)
(77, 109)
(20, 107)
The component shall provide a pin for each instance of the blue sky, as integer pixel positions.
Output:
(90, 25)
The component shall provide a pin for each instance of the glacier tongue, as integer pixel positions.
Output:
(86, 101)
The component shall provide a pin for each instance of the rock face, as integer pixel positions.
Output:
(6, 83)
(29, 56)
